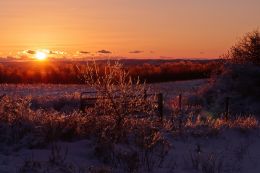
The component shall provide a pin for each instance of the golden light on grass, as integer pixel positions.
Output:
(40, 55)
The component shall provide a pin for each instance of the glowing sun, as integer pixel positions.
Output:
(40, 55)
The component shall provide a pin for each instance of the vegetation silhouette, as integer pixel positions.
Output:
(246, 50)
(65, 72)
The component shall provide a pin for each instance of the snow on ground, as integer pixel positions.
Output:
(167, 88)
(66, 97)
(231, 151)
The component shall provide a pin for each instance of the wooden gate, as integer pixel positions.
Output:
(89, 99)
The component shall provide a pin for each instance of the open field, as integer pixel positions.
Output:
(169, 89)
(67, 97)
(230, 151)
(59, 140)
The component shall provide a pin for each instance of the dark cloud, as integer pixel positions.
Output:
(104, 51)
(84, 52)
(52, 52)
(136, 51)
(10, 58)
(31, 52)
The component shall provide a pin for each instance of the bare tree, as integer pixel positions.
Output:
(247, 50)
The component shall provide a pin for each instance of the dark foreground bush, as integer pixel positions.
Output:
(238, 79)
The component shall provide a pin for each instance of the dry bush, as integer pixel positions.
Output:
(200, 126)
(192, 119)
(143, 148)
(21, 125)
(242, 123)
(118, 95)
(20, 122)
(66, 103)
(149, 148)
(15, 120)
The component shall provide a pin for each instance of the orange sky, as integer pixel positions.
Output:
(129, 28)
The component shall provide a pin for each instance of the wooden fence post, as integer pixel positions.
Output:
(82, 105)
(160, 105)
(180, 104)
(227, 107)
(145, 94)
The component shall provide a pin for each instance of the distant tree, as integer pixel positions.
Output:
(247, 50)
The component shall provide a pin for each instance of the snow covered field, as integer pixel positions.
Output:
(35, 90)
(193, 147)
(66, 97)
(231, 151)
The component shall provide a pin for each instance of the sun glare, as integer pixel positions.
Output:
(40, 55)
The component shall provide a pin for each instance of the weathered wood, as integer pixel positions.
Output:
(160, 105)
(87, 101)
(180, 103)
(227, 107)
(145, 94)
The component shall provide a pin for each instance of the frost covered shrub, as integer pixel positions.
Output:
(67, 103)
(144, 149)
(237, 78)
(211, 127)
(20, 124)
(15, 120)
(241, 83)
(193, 121)
(118, 95)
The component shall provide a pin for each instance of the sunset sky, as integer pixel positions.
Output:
(127, 28)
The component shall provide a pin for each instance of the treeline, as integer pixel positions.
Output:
(185, 70)
(58, 72)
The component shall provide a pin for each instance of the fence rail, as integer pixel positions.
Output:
(89, 99)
